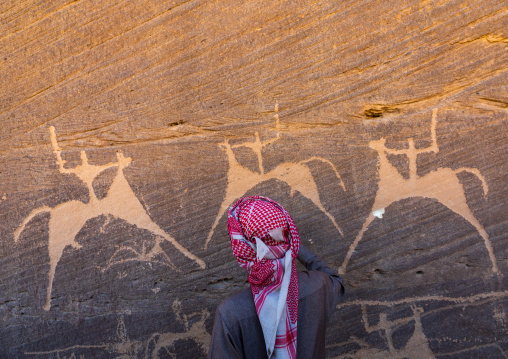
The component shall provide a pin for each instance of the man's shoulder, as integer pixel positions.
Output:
(310, 282)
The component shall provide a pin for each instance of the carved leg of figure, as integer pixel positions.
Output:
(223, 207)
(53, 261)
(462, 209)
(352, 247)
(121, 202)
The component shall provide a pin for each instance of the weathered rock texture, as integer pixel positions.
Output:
(128, 127)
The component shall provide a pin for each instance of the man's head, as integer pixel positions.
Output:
(263, 219)
(254, 219)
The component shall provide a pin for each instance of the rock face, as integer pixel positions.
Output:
(130, 126)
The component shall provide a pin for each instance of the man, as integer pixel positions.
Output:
(282, 315)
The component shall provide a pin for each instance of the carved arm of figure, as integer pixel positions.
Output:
(85, 169)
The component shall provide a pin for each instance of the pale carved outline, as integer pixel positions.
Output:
(241, 179)
(124, 348)
(417, 347)
(148, 254)
(441, 184)
(67, 218)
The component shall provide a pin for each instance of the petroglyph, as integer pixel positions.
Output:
(417, 347)
(126, 253)
(68, 218)
(295, 174)
(159, 345)
(442, 185)
(196, 331)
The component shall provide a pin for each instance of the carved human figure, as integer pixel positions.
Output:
(67, 219)
(295, 174)
(442, 185)
(417, 347)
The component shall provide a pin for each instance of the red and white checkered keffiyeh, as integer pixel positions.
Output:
(265, 242)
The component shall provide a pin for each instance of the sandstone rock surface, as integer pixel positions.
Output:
(128, 127)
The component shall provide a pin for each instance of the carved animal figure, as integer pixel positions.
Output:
(296, 175)
(68, 218)
(442, 185)
(196, 332)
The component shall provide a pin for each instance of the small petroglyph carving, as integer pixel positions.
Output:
(417, 347)
(127, 253)
(159, 345)
(295, 174)
(196, 332)
(442, 185)
(68, 218)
